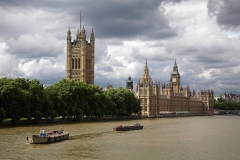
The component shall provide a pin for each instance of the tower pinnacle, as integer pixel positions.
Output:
(68, 32)
(146, 71)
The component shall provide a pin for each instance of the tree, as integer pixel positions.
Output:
(125, 101)
(14, 101)
(37, 99)
(2, 114)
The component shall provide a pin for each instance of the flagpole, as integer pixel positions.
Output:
(80, 20)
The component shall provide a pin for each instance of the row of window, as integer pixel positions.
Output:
(150, 109)
(76, 63)
(87, 81)
(145, 101)
(153, 101)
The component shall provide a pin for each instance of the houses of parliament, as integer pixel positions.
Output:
(154, 98)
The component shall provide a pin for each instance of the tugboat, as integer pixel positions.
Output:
(136, 126)
(44, 137)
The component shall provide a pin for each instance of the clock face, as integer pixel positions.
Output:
(174, 79)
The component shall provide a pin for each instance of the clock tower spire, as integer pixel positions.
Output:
(175, 78)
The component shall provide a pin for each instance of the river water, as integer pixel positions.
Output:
(179, 138)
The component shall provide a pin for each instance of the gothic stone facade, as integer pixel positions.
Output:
(171, 97)
(80, 57)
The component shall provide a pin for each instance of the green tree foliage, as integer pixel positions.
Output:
(2, 114)
(222, 104)
(21, 98)
(13, 101)
(38, 99)
(67, 98)
(125, 101)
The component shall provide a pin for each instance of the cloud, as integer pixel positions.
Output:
(8, 62)
(129, 20)
(226, 11)
(34, 46)
(42, 68)
(203, 36)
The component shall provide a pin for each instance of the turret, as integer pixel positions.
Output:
(83, 34)
(92, 38)
(187, 91)
(78, 36)
(69, 56)
(69, 38)
(129, 83)
(83, 52)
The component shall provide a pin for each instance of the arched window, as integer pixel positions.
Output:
(75, 63)
(88, 64)
(72, 63)
(79, 63)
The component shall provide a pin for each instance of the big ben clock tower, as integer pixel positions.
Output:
(175, 78)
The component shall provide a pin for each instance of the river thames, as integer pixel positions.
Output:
(178, 138)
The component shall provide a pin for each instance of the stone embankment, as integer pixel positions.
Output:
(96, 119)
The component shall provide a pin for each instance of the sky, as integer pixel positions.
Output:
(202, 35)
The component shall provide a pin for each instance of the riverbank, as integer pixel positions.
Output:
(67, 120)
(93, 119)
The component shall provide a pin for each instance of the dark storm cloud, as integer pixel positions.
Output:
(227, 12)
(129, 20)
(118, 20)
(110, 19)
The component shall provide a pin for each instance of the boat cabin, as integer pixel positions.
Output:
(42, 133)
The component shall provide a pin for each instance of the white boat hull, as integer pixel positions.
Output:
(37, 139)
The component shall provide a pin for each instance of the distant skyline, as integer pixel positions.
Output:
(202, 35)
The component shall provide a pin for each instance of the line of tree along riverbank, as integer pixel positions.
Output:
(222, 104)
(24, 98)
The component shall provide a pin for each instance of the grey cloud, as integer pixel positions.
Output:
(115, 42)
(226, 11)
(130, 20)
(110, 19)
(115, 22)
(101, 51)
(34, 46)
(103, 81)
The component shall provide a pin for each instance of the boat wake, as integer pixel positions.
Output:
(88, 135)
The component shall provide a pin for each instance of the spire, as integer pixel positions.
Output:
(77, 33)
(83, 35)
(175, 68)
(92, 33)
(69, 38)
(146, 79)
(146, 71)
(92, 38)
(175, 64)
(68, 32)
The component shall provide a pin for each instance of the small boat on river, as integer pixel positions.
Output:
(136, 126)
(44, 137)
